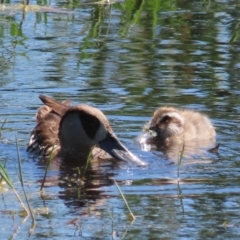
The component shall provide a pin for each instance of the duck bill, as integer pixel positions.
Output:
(117, 150)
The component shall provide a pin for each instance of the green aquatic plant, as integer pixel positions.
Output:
(50, 158)
(180, 160)
(1, 128)
(82, 170)
(178, 185)
(23, 188)
(235, 34)
(131, 217)
(88, 161)
(6, 178)
(2, 181)
(112, 219)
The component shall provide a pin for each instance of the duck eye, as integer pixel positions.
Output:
(165, 119)
(151, 126)
(92, 121)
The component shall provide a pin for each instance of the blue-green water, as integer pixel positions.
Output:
(126, 60)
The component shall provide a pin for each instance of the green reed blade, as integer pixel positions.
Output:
(1, 128)
(88, 161)
(47, 168)
(5, 176)
(132, 217)
(110, 213)
(180, 159)
(22, 184)
(4, 121)
(19, 162)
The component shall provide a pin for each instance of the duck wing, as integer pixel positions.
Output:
(45, 134)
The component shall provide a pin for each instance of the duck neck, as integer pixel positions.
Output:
(76, 155)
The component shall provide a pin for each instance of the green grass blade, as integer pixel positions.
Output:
(5, 176)
(110, 213)
(47, 168)
(132, 217)
(180, 159)
(88, 161)
(4, 121)
(1, 128)
(19, 163)
(82, 170)
(20, 200)
(3, 167)
(22, 184)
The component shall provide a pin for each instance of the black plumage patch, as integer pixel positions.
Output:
(90, 123)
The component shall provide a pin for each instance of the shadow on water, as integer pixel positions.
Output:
(80, 186)
(85, 191)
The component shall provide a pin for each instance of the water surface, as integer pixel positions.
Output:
(126, 60)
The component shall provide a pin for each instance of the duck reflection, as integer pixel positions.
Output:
(81, 186)
(84, 189)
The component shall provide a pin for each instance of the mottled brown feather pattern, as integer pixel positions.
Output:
(50, 119)
(45, 134)
(178, 124)
(75, 132)
(57, 107)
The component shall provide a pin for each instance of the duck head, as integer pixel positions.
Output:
(83, 127)
(166, 123)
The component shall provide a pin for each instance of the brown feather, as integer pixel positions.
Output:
(49, 120)
(178, 124)
(73, 132)
(45, 134)
(59, 108)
